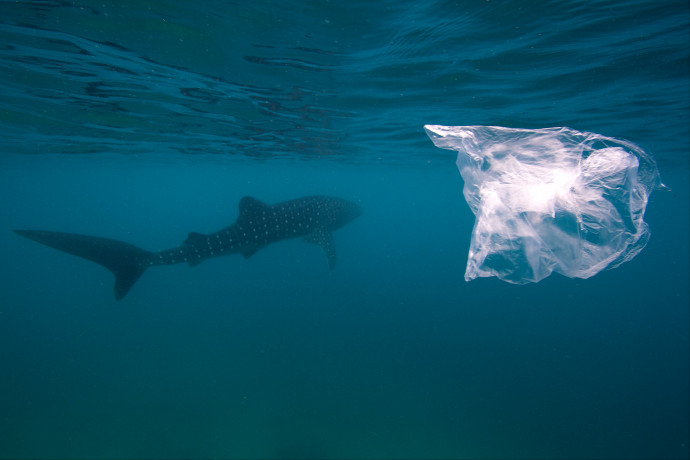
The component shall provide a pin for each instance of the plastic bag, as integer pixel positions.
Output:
(551, 199)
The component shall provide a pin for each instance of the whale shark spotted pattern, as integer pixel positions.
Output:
(258, 225)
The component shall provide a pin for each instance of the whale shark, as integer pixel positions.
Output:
(258, 224)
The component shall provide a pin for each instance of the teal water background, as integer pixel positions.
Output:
(143, 122)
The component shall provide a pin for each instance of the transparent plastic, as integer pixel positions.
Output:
(551, 199)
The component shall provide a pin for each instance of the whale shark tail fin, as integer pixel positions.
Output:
(125, 261)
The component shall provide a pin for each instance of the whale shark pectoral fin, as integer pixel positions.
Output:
(323, 238)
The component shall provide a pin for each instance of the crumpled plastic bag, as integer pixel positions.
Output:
(551, 199)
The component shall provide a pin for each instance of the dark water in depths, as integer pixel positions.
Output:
(153, 121)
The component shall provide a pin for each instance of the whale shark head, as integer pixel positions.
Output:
(341, 211)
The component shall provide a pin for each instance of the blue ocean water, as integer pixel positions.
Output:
(145, 121)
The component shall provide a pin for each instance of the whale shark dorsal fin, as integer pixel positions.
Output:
(323, 238)
(250, 207)
(194, 239)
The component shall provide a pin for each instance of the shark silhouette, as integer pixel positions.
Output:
(258, 225)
